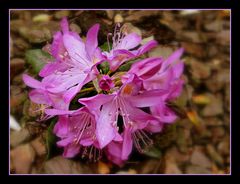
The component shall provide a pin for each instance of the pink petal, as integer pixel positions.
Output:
(99, 55)
(91, 40)
(113, 153)
(57, 47)
(66, 80)
(154, 126)
(69, 94)
(163, 113)
(61, 127)
(71, 150)
(178, 69)
(50, 68)
(160, 80)
(127, 144)
(131, 86)
(175, 89)
(140, 118)
(173, 58)
(87, 142)
(122, 55)
(65, 141)
(130, 41)
(51, 81)
(114, 149)
(64, 25)
(39, 96)
(116, 160)
(96, 101)
(146, 68)
(55, 112)
(31, 82)
(75, 35)
(149, 45)
(147, 98)
(58, 101)
(105, 132)
(118, 137)
(65, 29)
(119, 57)
(76, 51)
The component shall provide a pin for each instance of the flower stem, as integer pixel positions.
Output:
(95, 83)
(109, 72)
(87, 90)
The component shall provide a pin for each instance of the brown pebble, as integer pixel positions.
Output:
(22, 158)
(18, 137)
(16, 66)
(39, 146)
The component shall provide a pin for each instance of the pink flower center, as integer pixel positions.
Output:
(106, 83)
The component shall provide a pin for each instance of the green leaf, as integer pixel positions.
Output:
(37, 58)
(104, 47)
(51, 138)
(153, 152)
(127, 65)
(104, 66)
(74, 105)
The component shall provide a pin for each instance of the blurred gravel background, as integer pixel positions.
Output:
(198, 143)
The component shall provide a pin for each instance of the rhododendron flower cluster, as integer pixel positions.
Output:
(126, 108)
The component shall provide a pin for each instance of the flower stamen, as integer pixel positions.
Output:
(91, 153)
(141, 140)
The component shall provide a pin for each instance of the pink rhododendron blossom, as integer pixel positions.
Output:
(76, 129)
(82, 60)
(123, 48)
(124, 102)
(58, 50)
(75, 63)
(118, 111)
(157, 73)
(40, 95)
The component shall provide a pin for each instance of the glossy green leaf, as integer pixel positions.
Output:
(37, 58)
(51, 138)
(106, 46)
(104, 67)
(127, 65)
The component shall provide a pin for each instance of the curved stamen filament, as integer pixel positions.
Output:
(141, 140)
(43, 116)
(115, 38)
(87, 120)
(92, 153)
(42, 108)
(123, 110)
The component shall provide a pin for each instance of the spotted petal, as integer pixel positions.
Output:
(105, 130)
